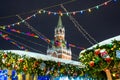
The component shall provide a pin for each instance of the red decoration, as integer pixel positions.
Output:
(25, 68)
(91, 63)
(8, 64)
(103, 53)
(59, 64)
(20, 60)
(16, 67)
(97, 51)
(117, 75)
(108, 59)
(5, 55)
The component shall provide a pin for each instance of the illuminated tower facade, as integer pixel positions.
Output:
(59, 48)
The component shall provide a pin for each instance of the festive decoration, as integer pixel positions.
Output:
(30, 65)
(97, 51)
(38, 37)
(61, 13)
(91, 63)
(5, 36)
(104, 55)
(118, 53)
(102, 59)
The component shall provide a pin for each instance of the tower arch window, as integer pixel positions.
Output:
(60, 30)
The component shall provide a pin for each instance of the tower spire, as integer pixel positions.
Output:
(59, 22)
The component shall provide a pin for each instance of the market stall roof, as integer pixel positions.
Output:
(107, 41)
(45, 57)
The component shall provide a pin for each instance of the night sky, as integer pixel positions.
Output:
(101, 24)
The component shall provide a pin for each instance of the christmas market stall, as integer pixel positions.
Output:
(24, 65)
(103, 59)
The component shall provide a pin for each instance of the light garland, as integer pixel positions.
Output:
(61, 13)
(75, 12)
(17, 43)
(54, 13)
(38, 37)
(5, 36)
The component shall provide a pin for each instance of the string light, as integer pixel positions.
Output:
(81, 12)
(105, 3)
(61, 14)
(67, 14)
(54, 13)
(5, 36)
(34, 15)
(73, 13)
(49, 13)
(39, 12)
(35, 36)
(97, 7)
(89, 10)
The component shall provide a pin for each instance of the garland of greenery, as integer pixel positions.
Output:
(24, 64)
(100, 58)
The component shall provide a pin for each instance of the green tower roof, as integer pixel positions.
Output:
(59, 22)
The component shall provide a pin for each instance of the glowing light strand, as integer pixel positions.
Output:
(32, 28)
(38, 37)
(60, 13)
(14, 42)
(80, 28)
(81, 11)
(25, 39)
(5, 36)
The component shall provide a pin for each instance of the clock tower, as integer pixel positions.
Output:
(59, 48)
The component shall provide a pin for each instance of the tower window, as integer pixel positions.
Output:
(60, 30)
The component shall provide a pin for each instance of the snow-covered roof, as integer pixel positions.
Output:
(107, 41)
(45, 57)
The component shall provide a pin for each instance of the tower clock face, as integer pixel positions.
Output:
(60, 38)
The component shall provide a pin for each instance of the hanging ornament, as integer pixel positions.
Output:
(24, 68)
(59, 63)
(16, 67)
(108, 59)
(3, 61)
(97, 59)
(42, 66)
(117, 75)
(104, 55)
(8, 64)
(110, 45)
(74, 74)
(97, 51)
(52, 69)
(118, 53)
(91, 63)
(4, 55)
(20, 60)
